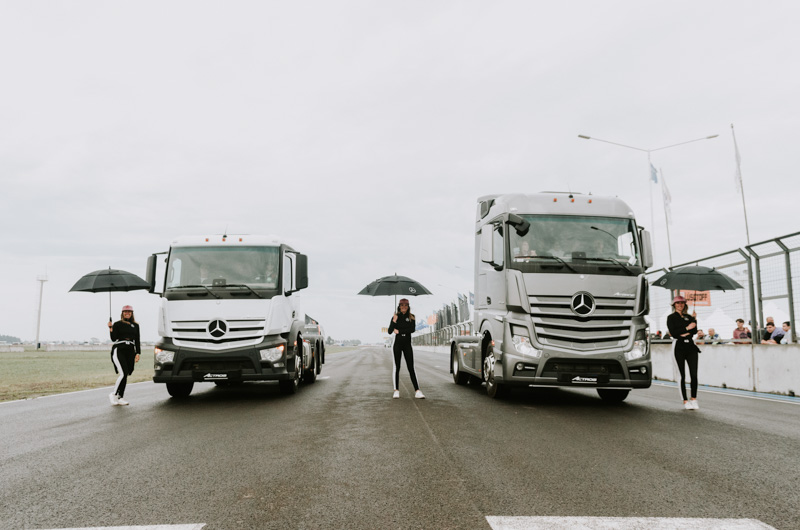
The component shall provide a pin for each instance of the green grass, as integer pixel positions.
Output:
(30, 374)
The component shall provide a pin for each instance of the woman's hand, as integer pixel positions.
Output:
(136, 359)
(694, 314)
(396, 331)
(394, 318)
(692, 325)
(110, 326)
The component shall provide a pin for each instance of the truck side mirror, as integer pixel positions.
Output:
(486, 244)
(152, 264)
(520, 225)
(302, 272)
(647, 250)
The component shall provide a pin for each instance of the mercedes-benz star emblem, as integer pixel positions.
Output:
(217, 328)
(412, 290)
(582, 304)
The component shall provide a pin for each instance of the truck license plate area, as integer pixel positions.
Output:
(230, 375)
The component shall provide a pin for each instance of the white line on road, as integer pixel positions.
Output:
(147, 527)
(623, 523)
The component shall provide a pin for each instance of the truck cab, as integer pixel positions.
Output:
(229, 313)
(560, 296)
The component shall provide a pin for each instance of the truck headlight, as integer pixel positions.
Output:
(272, 354)
(163, 356)
(523, 345)
(638, 351)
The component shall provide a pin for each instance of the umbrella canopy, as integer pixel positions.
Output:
(394, 285)
(697, 278)
(108, 280)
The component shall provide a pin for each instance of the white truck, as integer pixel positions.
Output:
(228, 313)
(560, 296)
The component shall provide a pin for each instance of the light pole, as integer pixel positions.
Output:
(649, 169)
(41, 280)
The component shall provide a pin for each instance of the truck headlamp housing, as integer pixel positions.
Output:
(523, 345)
(641, 347)
(163, 356)
(272, 354)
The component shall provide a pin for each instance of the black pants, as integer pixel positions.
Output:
(124, 359)
(684, 354)
(402, 347)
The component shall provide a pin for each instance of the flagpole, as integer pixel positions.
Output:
(739, 183)
(652, 215)
(664, 195)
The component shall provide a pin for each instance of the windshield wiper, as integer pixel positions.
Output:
(245, 286)
(618, 262)
(196, 287)
(570, 267)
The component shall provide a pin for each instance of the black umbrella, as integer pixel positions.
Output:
(108, 280)
(697, 278)
(394, 285)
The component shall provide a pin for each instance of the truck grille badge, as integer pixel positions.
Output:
(582, 304)
(217, 328)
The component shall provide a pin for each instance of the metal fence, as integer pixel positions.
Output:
(768, 271)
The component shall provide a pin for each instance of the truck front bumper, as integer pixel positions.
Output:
(234, 365)
(578, 371)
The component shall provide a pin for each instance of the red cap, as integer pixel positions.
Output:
(678, 299)
(127, 308)
(403, 300)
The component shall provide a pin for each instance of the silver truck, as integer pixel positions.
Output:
(560, 296)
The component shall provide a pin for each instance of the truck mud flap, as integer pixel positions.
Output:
(224, 375)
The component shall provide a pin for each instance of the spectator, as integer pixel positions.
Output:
(776, 330)
(787, 333)
(769, 336)
(700, 337)
(712, 337)
(658, 335)
(741, 334)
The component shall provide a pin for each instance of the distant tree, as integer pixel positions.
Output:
(9, 338)
(329, 340)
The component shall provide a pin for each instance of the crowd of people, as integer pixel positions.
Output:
(769, 334)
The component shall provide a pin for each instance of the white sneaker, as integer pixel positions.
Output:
(113, 399)
(121, 401)
(418, 394)
(396, 394)
(687, 405)
(694, 404)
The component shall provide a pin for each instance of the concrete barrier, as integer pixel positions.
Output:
(9, 348)
(77, 347)
(760, 368)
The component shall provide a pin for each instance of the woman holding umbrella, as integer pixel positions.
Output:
(402, 326)
(682, 326)
(125, 352)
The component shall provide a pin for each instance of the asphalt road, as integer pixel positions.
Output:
(342, 454)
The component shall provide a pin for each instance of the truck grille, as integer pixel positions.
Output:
(555, 324)
(218, 333)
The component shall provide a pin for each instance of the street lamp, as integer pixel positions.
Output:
(649, 166)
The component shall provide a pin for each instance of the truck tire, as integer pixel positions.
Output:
(319, 359)
(459, 377)
(291, 386)
(180, 390)
(310, 373)
(494, 389)
(613, 395)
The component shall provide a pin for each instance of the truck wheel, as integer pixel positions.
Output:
(310, 373)
(612, 395)
(179, 390)
(459, 377)
(494, 389)
(291, 386)
(319, 359)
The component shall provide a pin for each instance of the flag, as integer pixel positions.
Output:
(653, 174)
(667, 199)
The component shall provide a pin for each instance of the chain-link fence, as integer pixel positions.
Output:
(768, 271)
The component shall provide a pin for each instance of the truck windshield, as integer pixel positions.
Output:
(572, 244)
(218, 267)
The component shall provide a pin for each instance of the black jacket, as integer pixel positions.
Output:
(127, 331)
(405, 324)
(677, 323)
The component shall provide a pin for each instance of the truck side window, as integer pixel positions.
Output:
(498, 248)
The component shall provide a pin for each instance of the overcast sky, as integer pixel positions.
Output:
(363, 132)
